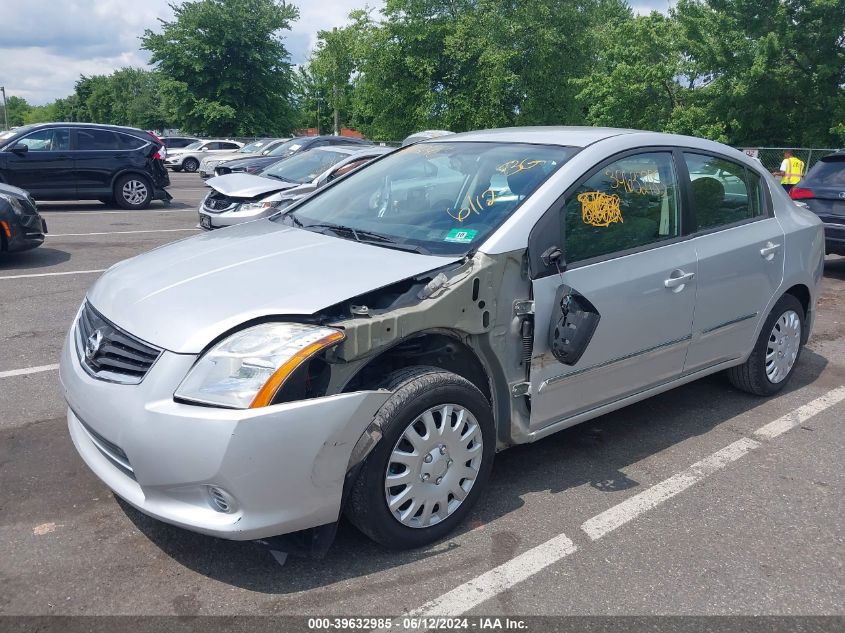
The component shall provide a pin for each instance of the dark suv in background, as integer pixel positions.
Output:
(84, 161)
(822, 191)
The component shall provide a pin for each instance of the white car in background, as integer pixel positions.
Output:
(188, 158)
(261, 147)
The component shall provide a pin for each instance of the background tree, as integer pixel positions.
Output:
(16, 110)
(224, 66)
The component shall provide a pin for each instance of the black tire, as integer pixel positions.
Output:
(190, 165)
(751, 375)
(416, 390)
(175, 169)
(133, 192)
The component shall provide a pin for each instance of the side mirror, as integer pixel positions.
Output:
(203, 149)
(572, 327)
(553, 256)
(20, 149)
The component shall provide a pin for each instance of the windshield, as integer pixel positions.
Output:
(194, 145)
(304, 167)
(443, 198)
(286, 149)
(253, 148)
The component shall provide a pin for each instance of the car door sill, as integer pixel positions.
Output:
(630, 399)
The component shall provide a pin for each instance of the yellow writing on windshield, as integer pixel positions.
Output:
(515, 166)
(473, 205)
(599, 209)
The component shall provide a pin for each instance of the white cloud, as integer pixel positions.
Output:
(47, 44)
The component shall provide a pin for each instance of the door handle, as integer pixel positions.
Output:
(769, 250)
(678, 280)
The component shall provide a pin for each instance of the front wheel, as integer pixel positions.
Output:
(776, 352)
(190, 165)
(434, 459)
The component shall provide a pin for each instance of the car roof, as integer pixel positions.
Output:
(343, 149)
(78, 124)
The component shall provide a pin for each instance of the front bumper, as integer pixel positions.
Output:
(282, 466)
(23, 234)
(217, 220)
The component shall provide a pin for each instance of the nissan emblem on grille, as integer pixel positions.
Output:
(92, 345)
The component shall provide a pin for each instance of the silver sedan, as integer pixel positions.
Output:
(370, 349)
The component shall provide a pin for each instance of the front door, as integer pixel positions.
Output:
(46, 169)
(628, 289)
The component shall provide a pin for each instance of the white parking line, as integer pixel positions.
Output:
(69, 272)
(127, 212)
(632, 507)
(120, 232)
(801, 414)
(27, 371)
(489, 584)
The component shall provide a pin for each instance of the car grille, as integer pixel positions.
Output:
(108, 353)
(216, 202)
(110, 450)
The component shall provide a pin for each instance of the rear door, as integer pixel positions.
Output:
(46, 169)
(99, 155)
(739, 244)
(618, 319)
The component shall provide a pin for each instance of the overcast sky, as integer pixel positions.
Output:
(46, 44)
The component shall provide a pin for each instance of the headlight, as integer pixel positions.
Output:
(256, 206)
(17, 206)
(247, 369)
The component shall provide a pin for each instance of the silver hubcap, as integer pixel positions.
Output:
(134, 192)
(433, 466)
(783, 346)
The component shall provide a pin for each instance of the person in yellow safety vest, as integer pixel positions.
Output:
(791, 170)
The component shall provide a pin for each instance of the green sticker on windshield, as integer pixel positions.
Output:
(460, 236)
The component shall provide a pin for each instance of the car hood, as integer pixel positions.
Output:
(256, 160)
(15, 192)
(184, 295)
(247, 185)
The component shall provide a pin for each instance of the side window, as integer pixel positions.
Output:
(97, 140)
(53, 140)
(208, 146)
(723, 192)
(626, 204)
(129, 142)
(229, 146)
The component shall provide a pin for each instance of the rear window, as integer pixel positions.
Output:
(828, 172)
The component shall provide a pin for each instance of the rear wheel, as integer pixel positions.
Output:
(190, 165)
(435, 457)
(132, 192)
(776, 352)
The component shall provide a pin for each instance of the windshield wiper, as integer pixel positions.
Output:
(277, 177)
(371, 237)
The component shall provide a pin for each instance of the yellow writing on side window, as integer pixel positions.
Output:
(486, 199)
(514, 166)
(645, 182)
(599, 209)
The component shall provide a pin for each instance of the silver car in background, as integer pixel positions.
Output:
(188, 158)
(261, 147)
(236, 198)
(369, 350)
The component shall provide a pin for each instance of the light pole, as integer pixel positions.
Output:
(5, 112)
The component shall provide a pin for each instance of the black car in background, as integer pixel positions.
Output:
(178, 142)
(822, 190)
(84, 161)
(295, 145)
(21, 227)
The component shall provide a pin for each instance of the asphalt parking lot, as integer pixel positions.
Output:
(704, 500)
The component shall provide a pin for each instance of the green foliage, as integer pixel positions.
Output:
(224, 67)
(16, 110)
